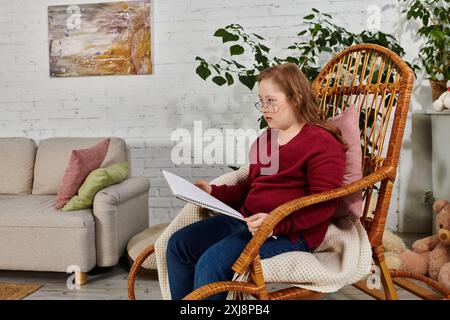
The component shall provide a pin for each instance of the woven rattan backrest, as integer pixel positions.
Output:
(379, 83)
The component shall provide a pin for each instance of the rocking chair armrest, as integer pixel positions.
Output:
(252, 249)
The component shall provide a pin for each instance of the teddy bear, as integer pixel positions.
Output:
(443, 102)
(429, 256)
(393, 246)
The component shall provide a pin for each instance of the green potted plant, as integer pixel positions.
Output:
(434, 18)
(320, 38)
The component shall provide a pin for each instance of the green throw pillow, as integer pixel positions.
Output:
(95, 181)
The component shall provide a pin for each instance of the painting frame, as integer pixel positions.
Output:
(100, 39)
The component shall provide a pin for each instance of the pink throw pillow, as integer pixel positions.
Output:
(81, 163)
(348, 123)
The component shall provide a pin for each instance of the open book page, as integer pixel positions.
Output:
(187, 191)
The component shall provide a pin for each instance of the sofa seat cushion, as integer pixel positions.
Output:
(38, 211)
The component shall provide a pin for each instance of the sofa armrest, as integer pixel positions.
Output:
(124, 190)
(120, 212)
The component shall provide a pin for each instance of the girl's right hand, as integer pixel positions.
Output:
(204, 185)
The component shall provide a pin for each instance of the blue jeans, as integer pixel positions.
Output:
(203, 252)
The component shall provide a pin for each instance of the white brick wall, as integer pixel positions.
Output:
(145, 109)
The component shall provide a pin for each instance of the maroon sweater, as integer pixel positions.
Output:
(311, 162)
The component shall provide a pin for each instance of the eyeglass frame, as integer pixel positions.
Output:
(260, 105)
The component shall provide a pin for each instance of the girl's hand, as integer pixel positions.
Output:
(204, 185)
(255, 221)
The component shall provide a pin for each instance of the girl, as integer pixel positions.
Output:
(311, 157)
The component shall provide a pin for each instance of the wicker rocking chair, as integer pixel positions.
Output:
(380, 83)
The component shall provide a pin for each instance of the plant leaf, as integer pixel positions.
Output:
(230, 37)
(203, 72)
(220, 32)
(258, 36)
(264, 48)
(220, 81)
(216, 67)
(229, 77)
(236, 50)
(262, 123)
(326, 49)
(238, 65)
(248, 81)
(225, 35)
(292, 60)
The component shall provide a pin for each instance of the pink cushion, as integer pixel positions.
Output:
(81, 163)
(348, 123)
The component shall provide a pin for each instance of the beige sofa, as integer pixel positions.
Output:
(35, 236)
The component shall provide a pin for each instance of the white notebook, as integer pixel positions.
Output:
(189, 192)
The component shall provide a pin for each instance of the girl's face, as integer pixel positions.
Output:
(278, 110)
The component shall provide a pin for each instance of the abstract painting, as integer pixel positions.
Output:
(109, 38)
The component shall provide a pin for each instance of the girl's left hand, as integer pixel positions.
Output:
(255, 221)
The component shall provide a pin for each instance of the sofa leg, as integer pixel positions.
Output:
(80, 278)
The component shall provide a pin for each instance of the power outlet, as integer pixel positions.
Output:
(428, 198)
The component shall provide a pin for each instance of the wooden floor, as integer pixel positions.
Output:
(113, 285)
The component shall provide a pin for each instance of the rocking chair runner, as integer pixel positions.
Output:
(380, 83)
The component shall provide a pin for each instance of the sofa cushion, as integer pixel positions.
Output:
(38, 211)
(52, 158)
(81, 163)
(95, 181)
(16, 165)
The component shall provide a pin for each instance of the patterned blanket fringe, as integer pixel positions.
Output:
(237, 295)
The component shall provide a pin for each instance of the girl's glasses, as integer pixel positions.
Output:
(272, 106)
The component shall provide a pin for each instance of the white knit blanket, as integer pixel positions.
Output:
(343, 258)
